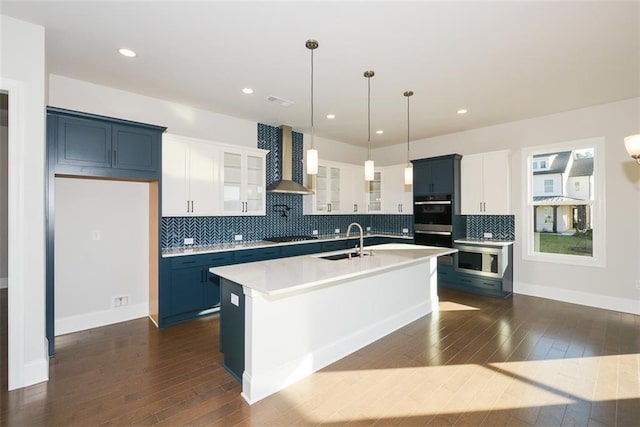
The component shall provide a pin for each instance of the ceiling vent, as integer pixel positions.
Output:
(279, 101)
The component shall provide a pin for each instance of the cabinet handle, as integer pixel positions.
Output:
(355, 207)
(480, 206)
(188, 206)
(484, 206)
(192, 209)
(115, 157)
(328, 207)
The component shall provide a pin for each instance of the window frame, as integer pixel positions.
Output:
(598, 258)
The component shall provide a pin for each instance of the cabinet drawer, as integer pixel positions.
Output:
(479, 282)
(256, 255)
(206, 260)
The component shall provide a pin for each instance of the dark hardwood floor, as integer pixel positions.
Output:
(479, 361)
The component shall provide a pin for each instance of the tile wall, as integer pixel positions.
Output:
(221, 229)
(502, 226)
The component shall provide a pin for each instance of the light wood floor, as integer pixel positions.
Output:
(479, 361)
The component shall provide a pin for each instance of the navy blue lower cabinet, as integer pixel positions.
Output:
(187, 289)
(232, 327)
(301, 249)
(252, 255)
(335, 245)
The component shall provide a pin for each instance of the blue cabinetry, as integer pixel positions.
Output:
(437, 175)
(448, 277)
(187, 288)
(90, 145)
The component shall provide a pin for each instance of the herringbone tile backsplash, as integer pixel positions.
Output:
(221, 229)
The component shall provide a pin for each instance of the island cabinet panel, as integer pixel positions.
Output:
(335, 245)
(437, 175)
(89, 145)
(232, 327)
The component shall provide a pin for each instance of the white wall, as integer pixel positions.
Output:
(102, 252)
(23, 75)
(178, 118)
(610, 287)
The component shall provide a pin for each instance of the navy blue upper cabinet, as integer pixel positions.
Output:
(436, 175)
(90, 145)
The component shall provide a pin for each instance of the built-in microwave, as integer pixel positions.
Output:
(480, 260)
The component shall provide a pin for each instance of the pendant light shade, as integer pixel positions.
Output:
(312, 153)
(408, 169)
(368, 165)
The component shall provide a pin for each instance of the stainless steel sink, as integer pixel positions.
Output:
(345, 255)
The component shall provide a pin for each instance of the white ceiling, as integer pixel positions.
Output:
(503, 61)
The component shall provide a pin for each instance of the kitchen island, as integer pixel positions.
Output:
(282, 320)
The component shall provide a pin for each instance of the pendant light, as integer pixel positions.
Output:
(368, 165)
(408, 169)
(312, 153)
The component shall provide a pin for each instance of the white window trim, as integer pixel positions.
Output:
(599, 219)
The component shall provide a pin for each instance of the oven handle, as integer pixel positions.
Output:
(437, 202)
(440, 233)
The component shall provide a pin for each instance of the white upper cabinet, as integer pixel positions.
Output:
(189, 176)
(397, 198)
(336, 189)
(203, 178)
(243, 181)
(485, 183)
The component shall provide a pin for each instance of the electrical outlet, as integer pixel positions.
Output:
(488, 235)
(314, 232)
(337, 231)
(96, 235)
(121, 301)
(405, 231)
(188, 241)
(237, 237)
(368, 228)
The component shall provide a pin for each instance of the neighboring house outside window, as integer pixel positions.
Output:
(565, 202)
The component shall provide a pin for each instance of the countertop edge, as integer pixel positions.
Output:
(316, 284)
(481, 242)
(225, 247)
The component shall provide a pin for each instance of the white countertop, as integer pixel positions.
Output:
(222, 247)
(485, 242)
(291, 274)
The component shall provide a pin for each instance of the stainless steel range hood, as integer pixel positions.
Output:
(287, 185)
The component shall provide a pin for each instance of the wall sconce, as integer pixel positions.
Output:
(632, 144)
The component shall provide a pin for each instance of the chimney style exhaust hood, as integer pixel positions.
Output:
(287, 185)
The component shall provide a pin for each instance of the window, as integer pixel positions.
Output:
(564, 212)
(543, 164)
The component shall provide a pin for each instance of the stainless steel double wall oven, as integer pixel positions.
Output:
(433, 216)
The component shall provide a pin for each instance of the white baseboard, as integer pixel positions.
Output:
(4, 282)
(66, 325)
(258, 387)
(576, 297)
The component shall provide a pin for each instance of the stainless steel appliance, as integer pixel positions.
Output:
(433, 217)
(481, 261)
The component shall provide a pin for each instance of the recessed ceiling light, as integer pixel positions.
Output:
(127, 52)
(331, 116)
(247, 90)
(462, 111)
(380, 132)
